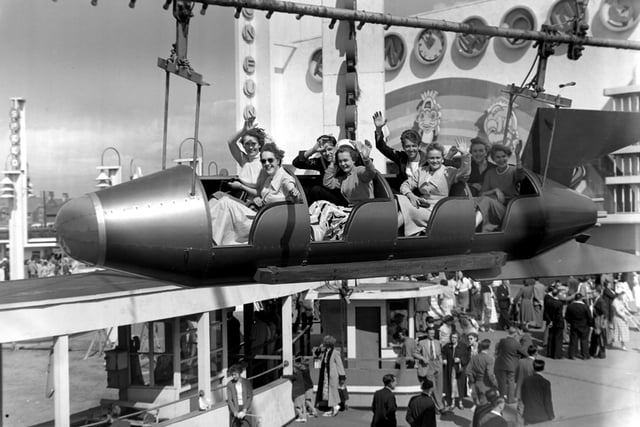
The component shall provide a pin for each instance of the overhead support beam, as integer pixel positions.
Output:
(386, 19)
(485, 261)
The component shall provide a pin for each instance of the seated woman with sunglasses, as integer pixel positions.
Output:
(231, 219)
(433, 180)
(252, 140)
(325, 146)
(413, 153)
(355, 183)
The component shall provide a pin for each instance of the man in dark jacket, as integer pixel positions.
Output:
(503, 302)
(384, 404)
(580, 320)
(555, 322)
(508, 353)
(421, 410)
(536, 396)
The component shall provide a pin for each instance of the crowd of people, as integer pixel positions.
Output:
(590, 314)
(427, 173)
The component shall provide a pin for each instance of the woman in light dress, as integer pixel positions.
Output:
(231, 219)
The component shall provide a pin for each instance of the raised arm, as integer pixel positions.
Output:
(379, 121)
(303, 160)
(367, 173)
(234, 148)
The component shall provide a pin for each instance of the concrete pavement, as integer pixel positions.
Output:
(586, 393)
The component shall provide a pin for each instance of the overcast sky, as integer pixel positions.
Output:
(90, 79)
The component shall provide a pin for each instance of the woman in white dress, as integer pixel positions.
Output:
(252, 139)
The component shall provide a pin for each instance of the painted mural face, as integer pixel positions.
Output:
(411, 148)
(345, 162)
(434, 157)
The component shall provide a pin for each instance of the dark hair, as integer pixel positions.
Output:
(426, 384)
(473, 334)
(388, 379)
(480, 141)
(538, 365)
(273, 148)
(499, 401)
(531, 350)
(485, 344)
(410, 135)
(435, 146)
(500, 147)
(257, 133)
(235, 368)
(355, 157)
(329, 341)
(492, 394)
(430, 319)
(327, 139)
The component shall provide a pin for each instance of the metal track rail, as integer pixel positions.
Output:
(364, 17)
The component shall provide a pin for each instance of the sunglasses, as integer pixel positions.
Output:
(270, 160)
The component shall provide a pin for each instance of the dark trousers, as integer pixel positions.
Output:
(578, 337)
(554, 344)
(507, 384)
(504, 321)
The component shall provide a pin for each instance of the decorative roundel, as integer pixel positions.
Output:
(562, 15)
(14, 113)
(249, 65)
(395, 52)
(14, 126)
(248, 33)
(620, 15)
(15, 150)
(247, 13)
(15, 138)
(14, 162)
(518, 18)
(249, 88)
(472, 45)
(249, 112)
(430, 46)
(315, 66)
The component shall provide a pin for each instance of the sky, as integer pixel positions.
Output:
(90, 78)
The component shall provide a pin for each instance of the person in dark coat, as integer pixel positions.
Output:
(421, 410)
(580, 320)
(503, 302)
(480, 372)
(384, 404)
(555, 322)
(455, 358)
(492, 394)
(508, 352)
(598, 346)
(494, 418)
(536, 396)
(239, 398)
(325, 146)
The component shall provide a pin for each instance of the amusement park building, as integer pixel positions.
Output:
(292, 75)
